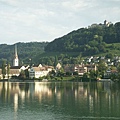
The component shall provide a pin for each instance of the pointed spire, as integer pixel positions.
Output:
(16, 60)
(16, 55)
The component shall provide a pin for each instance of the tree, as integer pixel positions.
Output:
(52, 73)
(22, 74)
(8, 70)
(94, 74)
(109, 55)
(75, 73)
(26, 73)
(118, 68)
(4, 68)
(86, 75)
(68, 73)
(102, 67)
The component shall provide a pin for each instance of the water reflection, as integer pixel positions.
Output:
(15, 102)
(68, 98)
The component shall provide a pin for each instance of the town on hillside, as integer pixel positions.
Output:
(90, 67)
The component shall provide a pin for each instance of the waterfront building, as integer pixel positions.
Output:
(39, 71)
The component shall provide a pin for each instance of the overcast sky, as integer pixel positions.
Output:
(45, 20)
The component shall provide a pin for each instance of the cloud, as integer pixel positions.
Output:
(27, 20)
(76, 5)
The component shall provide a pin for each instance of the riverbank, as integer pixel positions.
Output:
(56, 79)
(6, 80)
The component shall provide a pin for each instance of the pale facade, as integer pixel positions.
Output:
(81, 69)
(58, 66)
(39, 71)
(31, 73)
(14, 71)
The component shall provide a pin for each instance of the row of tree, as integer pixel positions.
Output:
(5, 69)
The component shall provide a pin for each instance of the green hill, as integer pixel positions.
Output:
(96, 40)
(93, 40)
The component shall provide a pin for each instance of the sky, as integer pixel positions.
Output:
(46, 20)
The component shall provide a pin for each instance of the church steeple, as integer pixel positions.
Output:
(16, 60)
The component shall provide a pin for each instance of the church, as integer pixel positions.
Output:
(15, 69)
(16, 60)
(34, 71)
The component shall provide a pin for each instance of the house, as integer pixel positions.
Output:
(31, 73)
(90, 67)
(39, 71)
(58, 66)
(80, 69)
(14, 71)
(69, 68)
(110, 72)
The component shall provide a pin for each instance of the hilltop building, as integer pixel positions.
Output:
(105, 24)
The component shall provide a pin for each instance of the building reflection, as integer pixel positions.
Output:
(42, 90)
(15, 102)
(91, 94)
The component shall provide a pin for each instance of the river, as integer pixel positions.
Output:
(59, 101)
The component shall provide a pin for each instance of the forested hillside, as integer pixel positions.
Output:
(26, 51)
(88, 41)
(98, 39)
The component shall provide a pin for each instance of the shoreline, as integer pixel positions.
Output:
(69, 80)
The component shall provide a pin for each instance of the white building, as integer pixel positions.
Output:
(39, 71)
(58, 66)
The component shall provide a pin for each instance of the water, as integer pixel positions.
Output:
(59, 101)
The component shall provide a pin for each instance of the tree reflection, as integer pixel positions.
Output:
(77, 98)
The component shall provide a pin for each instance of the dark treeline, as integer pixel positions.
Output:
(88, 41)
